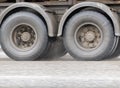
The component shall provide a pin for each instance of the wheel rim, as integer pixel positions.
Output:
(23, 37)
(88, 36)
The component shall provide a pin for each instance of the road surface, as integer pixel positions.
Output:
(60, 74)
(64, 72)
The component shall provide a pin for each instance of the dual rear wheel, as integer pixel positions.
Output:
(24, 37)
(89, 35)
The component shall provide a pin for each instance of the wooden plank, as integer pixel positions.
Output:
(20, 0)
(101, 1)
(6, 4)
(54, 3)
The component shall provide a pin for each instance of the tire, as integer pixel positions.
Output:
(116, 53)
(55, 48)
(23, 36)
(88, 35)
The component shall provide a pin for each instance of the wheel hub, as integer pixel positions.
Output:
(90, 36)
(25, 36)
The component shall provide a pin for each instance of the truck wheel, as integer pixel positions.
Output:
(23, 36)
(55, 48)
(88, 35)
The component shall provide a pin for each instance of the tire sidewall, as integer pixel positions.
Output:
(99, 20)
(34, 21)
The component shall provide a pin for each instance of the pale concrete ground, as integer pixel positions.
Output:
(62, 72)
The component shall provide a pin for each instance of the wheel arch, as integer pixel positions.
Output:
(45, 14)
(104, 9)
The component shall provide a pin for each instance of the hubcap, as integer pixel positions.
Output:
(88, 36)
(23, 36)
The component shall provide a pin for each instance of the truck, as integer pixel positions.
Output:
(35, 29)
